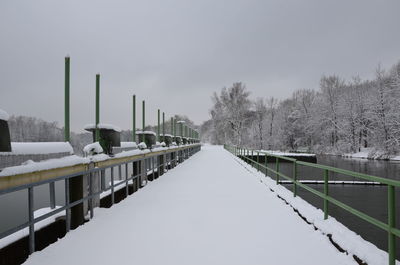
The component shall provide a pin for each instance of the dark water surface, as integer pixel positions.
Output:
(368, 199)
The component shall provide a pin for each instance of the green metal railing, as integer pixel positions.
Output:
(389, 227)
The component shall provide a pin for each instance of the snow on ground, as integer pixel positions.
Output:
(280, 153)
(39, 148)
(370, 153)
(208, 210)
(347, 239)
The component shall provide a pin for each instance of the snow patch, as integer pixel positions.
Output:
(92, 149)
(44, 165)
(39, 148)
(4, 115)
(104, 126)
(146, 132)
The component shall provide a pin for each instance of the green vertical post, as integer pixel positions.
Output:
(134, 118)
(266, 164)
(258, 161)
(163, 125)
(97, 134)
(66, 98)
(294, 178)
(143, 115)
(181, 129)
(172, 126)
(175, 127)
(158, 125)
(326, 193)
(277, 170)
(392, 224)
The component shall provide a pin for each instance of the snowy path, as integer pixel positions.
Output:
(209, 210)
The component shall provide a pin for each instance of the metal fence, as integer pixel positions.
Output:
(390, 226)
(96, 172)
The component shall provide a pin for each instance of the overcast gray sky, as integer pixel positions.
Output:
(175, 54)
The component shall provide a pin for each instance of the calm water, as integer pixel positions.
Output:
(371, 200)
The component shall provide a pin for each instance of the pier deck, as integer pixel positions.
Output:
(209, 210)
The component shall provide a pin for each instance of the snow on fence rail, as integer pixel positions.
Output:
(390, 227)
(93, 170)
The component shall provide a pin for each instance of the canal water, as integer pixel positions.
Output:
(369, 199)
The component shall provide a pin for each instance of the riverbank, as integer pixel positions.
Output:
(369, 153)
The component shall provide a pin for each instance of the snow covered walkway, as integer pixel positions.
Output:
(209, 210)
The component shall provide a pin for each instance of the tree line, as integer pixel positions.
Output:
(341, 116)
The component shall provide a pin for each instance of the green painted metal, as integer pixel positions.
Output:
(163, 125)
(143, 115)
(295, 179)
(158, 125)
(266, 165)
(326, 193)
(97, 133)
(172, 126)
(134, 118)
(66, 98)
(390, 226)
(277, 169)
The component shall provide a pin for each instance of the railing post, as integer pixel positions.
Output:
(31, 218)
(112, 186)
(68, 210)
(126, 180)
(326, 193)
(266, 164)
(90, 201)
(392, 224)
(295, 178)
(52, 189)
(277, 170)
(258, 161)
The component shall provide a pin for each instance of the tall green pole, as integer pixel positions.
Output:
(134, 118)
(172, 126)
(163, 125)
(175, 127)
(66, 117)
(143, 115)
(158, 125)
(97, 106)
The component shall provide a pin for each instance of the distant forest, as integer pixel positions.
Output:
(341, 116)
(30, 129)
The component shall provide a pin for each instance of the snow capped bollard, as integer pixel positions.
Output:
(5, 139)
(148, 137)
(110, 136)
(167, 139)
(178, 140)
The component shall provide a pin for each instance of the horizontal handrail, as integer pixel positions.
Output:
(391, 184)
(171, 155)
